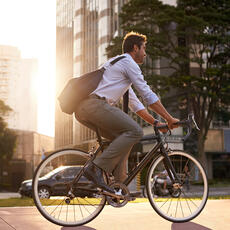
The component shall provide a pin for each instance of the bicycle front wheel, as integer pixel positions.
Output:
(183, 201)
(57, 199)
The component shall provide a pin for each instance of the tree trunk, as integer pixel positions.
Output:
(201, 152)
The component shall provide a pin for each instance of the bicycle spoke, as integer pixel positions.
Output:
(169, 205)
(181, 209)
(86, 209)
(67, 212)
(80, 209)
(178, 206)
(189, 199)
(180, 164)
(188, 206)
(57, 206)
(89, 203)
(62, 164)
(60, 211)
(74, 210)
(52, 202)
(164, 203)
(186, 164)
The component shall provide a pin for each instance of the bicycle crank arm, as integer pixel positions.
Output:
(112, 195)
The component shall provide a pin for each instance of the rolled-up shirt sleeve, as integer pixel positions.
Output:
(134, 104)
(133, 72)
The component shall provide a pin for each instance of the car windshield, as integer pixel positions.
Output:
(51, 173)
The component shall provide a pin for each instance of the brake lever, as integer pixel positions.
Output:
(194, 122)
(188, 133)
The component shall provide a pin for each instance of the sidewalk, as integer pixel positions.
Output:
(133, 216)
(6, 195)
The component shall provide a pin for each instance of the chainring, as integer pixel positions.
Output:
(121, 190)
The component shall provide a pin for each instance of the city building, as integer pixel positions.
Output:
(17, 90)
(17, 78)
(217, 148)
(30, 150)
(84, 30)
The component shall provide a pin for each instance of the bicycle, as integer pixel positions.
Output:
(83, 201)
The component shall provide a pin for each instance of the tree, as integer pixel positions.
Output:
(192, 42)
(7, 136)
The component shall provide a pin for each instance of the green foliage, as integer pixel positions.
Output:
(7, 136)
(192, 43)
(115, 47)
(4, 109)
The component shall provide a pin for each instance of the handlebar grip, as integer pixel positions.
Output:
(162, 127)
(188, 123)
(181, 123)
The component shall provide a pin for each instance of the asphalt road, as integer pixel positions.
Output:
(133, 216)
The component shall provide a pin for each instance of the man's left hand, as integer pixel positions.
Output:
(171, 123)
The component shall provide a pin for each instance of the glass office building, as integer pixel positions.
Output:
(84, 30)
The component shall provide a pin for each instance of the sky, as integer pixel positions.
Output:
(30, 25)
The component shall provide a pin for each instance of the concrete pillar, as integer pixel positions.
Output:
(78, 54)
(104, 29)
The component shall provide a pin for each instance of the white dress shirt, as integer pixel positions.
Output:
(118, 78)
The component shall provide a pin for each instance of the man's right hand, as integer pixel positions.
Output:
(162, 130)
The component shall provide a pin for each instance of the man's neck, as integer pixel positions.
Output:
(132, 55)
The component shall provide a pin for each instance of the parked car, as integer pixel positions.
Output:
(55, 183)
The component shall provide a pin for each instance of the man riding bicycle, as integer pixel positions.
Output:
(99, 110)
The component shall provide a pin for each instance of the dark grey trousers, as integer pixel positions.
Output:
(114, 125)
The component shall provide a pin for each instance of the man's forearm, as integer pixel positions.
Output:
(160, 109)
(146, 116)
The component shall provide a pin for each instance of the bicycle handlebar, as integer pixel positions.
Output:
(188, 123)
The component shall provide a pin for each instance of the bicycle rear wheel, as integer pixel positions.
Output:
(181, 202)
(56, 199)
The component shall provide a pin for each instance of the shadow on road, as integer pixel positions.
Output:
(188, 226)
(78, 228)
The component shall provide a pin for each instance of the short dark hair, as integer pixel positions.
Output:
(131, 39)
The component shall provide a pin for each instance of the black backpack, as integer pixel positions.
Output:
(80, 88)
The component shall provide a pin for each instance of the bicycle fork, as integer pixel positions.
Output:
(169, 167)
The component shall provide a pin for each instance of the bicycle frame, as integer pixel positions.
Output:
(153, 153)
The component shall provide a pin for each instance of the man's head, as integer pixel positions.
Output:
(134, 44)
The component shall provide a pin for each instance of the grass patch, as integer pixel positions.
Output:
(20, 202)
(16, 202)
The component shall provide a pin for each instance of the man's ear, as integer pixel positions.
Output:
(135, 48)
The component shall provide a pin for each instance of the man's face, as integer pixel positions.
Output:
(140, 54)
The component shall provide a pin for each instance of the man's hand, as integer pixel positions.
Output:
(162, 130)
(160, 109)
(171, 123)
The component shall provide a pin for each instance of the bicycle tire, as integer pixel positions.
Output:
(181, 204)
(56, 209)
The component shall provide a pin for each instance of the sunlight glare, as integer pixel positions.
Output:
(30, 25)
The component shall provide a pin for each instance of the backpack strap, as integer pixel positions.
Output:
(126, 102)
(112, 62)
(126, 95)
(116, 60)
